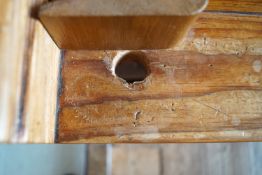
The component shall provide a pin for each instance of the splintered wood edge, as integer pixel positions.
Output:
(123, 8)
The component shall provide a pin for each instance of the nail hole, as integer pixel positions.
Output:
(132, 67)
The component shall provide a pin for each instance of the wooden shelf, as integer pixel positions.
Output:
(119, 24)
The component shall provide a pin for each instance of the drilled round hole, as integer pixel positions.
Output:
(132, 67)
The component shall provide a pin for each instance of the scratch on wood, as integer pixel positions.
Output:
(215, 109)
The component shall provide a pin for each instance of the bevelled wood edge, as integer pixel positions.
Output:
(119, 24)
(123, 8)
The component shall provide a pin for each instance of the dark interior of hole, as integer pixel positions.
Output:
(132, 68)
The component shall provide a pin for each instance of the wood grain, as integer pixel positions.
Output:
(207, 89)
(188, 74)
(118, 24)
(39, 117)
(184, 159)
(240, 6)
(73, 32)
(231, 40)
(186, 92)
(217, 159)
(14, 23)
(97, 157)
(214, 34)
(135, 159)
(27, 92)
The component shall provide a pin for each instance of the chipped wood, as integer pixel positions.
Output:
(208, 89)
(204, 94)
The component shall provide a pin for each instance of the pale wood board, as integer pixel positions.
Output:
(42, 89)
(97, 160)
(184, 159)
(13, 43)
(29, 70)
(214, 34)
(135, 159)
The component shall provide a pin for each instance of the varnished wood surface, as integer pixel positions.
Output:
(73, 29)
(173, 74)
(134, 33)
(118, 24)
(214, 34)
(239, 6)
(207, 89)
(186, 93)
(28, 92)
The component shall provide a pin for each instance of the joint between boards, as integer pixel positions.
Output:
(59, 92)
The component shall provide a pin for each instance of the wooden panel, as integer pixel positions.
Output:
(216, 159)
(14, 21)
(189, 96)
(187, 73)
(119, 24)
(184, 159)
(225, 34)
(97, 160)
(242, 6)
(39, 117)
(224, 90)
(135, 159)
(61, 28)
(24, 77)
(29, 69)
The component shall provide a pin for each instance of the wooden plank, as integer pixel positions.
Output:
(241, 6)
(97, 160)
(240, 35)
(216, 159)
(203, 94)
(39, 117)
(136, 159)
(13, 44)
(195, 74)
(184, 159)
(215, 34)
(27, 53)
(119, 24)
(212, 97)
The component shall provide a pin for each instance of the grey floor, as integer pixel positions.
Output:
(42, 159)
(165, 159)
